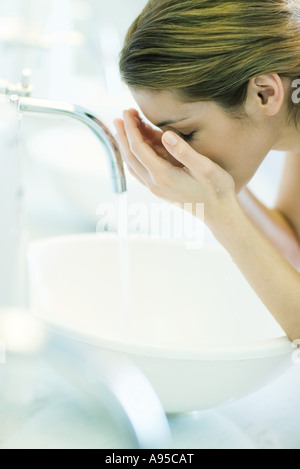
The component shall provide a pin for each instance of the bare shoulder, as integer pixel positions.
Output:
(288, 201)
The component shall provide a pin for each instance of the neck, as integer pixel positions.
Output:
(289, 137)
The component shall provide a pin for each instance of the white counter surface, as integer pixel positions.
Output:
(59, 418)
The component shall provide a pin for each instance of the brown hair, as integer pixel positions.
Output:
(210, 49)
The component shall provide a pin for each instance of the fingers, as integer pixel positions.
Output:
(134, 166)
(185, 154)
(148, 131)
(143, 160)
(140, 149)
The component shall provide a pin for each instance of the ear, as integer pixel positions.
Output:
(268, 92)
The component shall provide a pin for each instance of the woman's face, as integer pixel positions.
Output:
(237, 145)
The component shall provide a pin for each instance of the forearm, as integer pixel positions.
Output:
(274, 225)
(274, 280)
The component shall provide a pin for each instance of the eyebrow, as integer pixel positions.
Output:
(165, 123)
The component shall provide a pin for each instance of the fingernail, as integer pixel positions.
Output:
(170, 139)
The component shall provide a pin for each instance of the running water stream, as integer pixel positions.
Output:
(124, 255)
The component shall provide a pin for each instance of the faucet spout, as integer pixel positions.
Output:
(49, 107)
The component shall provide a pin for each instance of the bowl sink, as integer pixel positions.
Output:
(187, 318)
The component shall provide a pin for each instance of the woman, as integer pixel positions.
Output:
(220, 78)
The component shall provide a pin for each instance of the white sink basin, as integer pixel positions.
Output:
(195, 327)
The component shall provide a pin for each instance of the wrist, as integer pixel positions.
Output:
(224, 219)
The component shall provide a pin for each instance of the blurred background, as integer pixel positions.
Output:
(72, 46)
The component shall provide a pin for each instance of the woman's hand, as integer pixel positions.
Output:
(172, 170)
(151, 136)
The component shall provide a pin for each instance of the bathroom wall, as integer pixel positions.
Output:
(62, 39)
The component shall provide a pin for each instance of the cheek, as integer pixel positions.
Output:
(219, 151)
(233, 146)
(233, 155)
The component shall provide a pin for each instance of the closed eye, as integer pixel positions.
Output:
(188, 137)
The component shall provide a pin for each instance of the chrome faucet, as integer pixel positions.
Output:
(20, 97)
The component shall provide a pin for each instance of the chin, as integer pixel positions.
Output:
(242, 181)
(241, 185)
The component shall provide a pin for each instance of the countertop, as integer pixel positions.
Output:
(59, 418)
